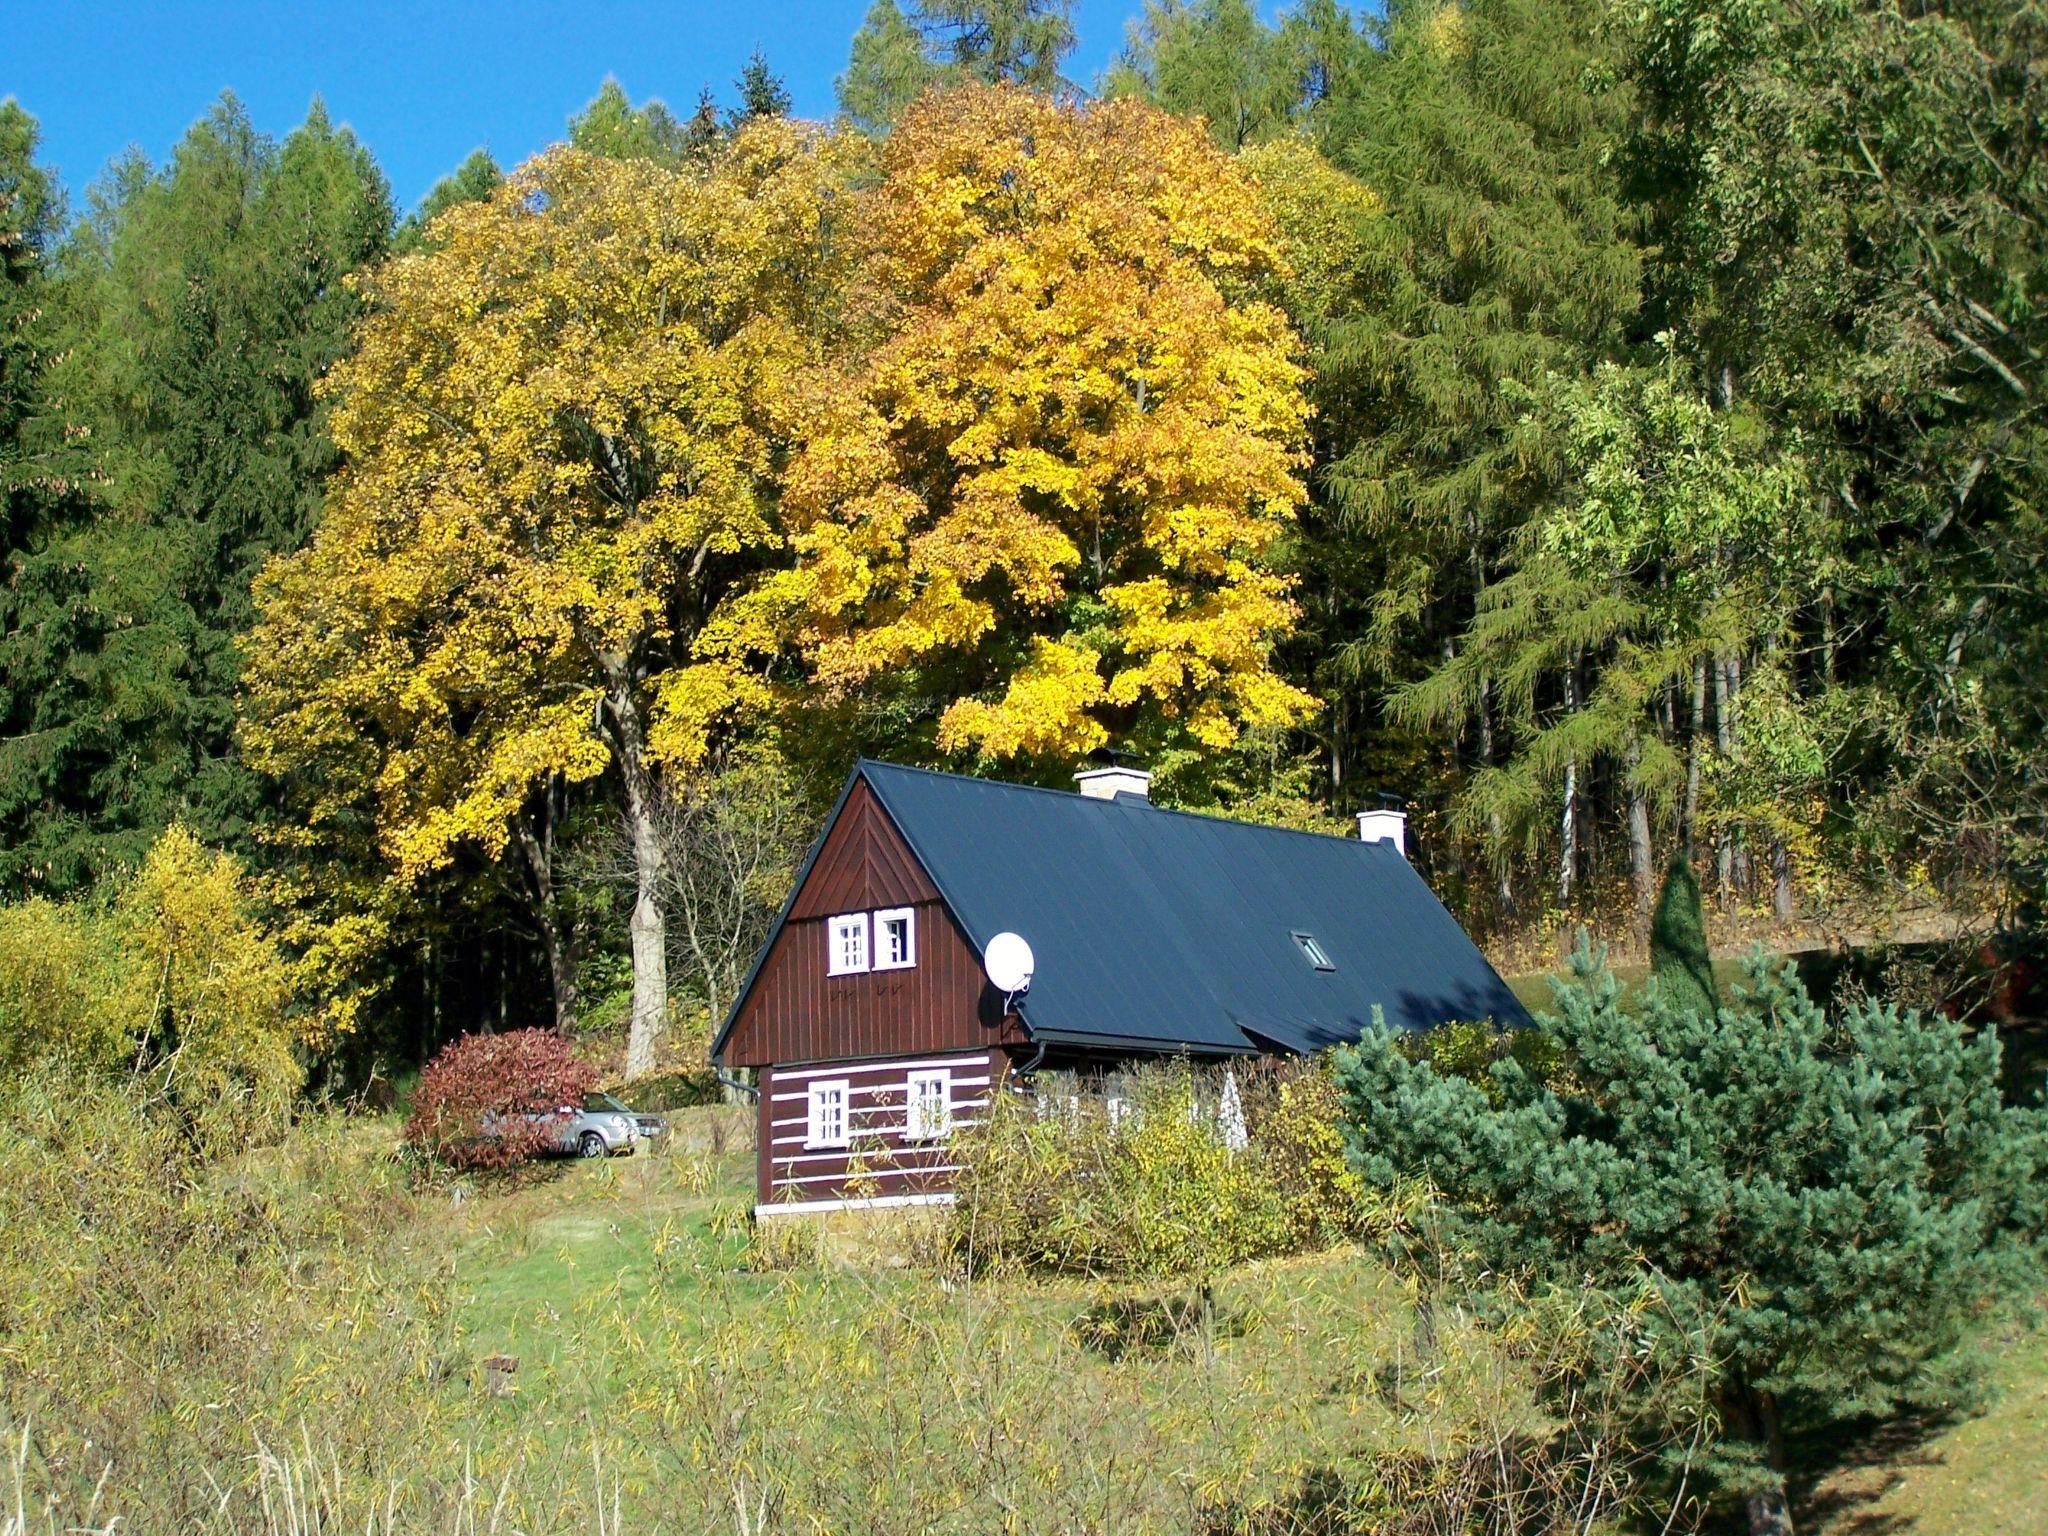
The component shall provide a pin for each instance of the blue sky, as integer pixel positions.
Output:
(422, 84)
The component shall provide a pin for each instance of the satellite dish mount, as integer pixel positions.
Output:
(1008, 960)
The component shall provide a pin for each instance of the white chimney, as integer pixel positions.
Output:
(1384, 826)
(1108, 783)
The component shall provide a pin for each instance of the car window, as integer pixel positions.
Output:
(604, 1101)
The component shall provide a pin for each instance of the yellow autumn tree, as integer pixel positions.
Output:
(561, 427)
(1044, 484)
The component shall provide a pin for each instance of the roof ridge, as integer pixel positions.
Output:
(1076, 795)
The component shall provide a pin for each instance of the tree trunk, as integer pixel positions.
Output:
(536, 847)
(1696, 748)
(1568, 817)
(1724, 742)
(650, 955)
(1781, 880)
(1642, 868)
(1753, 1417)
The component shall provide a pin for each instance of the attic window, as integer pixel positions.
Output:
(1313, 952)
(848, 944)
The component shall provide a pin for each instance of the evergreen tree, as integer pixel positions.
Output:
(888, 70)
(29, 216)
(1502, 252)
(1217, 60)
(198, 308)
(1679, 958)
(702, 131)
(1212, 59)
(762, 94)
(612, 126)
(471, 182)
(1016, 42)
(1830, 1206)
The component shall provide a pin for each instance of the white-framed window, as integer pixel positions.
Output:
(846, 944)
(928, 1106)
(825, 1114)
(895, 939)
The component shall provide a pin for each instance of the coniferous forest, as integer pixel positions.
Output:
(1613, 429)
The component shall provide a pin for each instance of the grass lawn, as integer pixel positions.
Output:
(1983, 1476)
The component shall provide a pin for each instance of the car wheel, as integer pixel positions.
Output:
(590, 1144)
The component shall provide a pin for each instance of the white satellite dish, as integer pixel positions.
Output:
(1008, 961)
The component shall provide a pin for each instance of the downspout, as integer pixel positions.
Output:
(727, 1080)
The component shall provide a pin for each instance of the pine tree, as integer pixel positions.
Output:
(1679, 959)
(1823, 1209)
(29, 215)
(888, 70)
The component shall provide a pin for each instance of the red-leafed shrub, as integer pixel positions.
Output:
(491, 1101)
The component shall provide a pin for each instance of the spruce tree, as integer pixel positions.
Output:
(1825, 1209)
(1679, 961)
(197, 309)
(762, 94)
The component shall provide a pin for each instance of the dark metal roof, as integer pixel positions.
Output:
(1159, 929)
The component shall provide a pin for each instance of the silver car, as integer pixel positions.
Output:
(604, 1126)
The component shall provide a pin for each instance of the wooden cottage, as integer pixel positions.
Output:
(876, 1035)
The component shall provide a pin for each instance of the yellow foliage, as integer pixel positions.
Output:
(1063, 443)
(561, 425)
(180, 975)
(1320, 215)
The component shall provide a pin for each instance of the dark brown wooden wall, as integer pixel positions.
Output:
(881, 1163)
(796, 1013)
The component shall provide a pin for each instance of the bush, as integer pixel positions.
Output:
(178, 977)
(490, 1101)
(1058, 1183)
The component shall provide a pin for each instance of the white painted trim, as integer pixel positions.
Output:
(872, 1089)
(850, 1176)
(902, 1064)
(880, 959)
(798, 1141)
(942, 1079)
(879, 1155)
(871, 1203)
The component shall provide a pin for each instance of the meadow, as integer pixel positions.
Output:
(310, 1337)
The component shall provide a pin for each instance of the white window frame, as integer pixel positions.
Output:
(837, 930)
(819, 1099)
(888, 915)
(916, 1124)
